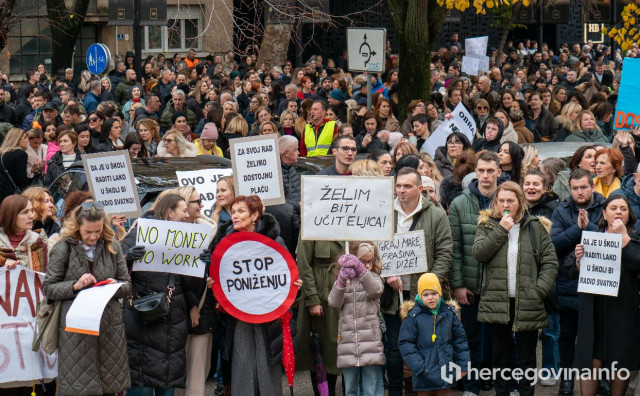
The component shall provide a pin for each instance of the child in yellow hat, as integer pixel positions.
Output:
(431, 337)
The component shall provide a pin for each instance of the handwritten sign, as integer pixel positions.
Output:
(347, 208)
(20, 293)
(470, 65)
(462, 121)
(85, 314)
(406, 254)
(172, 247)
(600, 266)
(256, 168)
(205, 182)
(476, 46)
(253, 277)
(111, 181)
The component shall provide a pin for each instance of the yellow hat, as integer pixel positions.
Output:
(429, 281)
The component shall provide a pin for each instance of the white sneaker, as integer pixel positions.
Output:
(548, 382)
(467, 393)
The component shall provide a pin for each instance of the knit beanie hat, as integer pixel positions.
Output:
(429, 281)
(394, 139)
(210, 131)
(337, 95)
(428, 182)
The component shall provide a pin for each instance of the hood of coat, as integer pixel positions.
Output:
(189, 150)
(449, 189)
(484, 218)
(407, 306)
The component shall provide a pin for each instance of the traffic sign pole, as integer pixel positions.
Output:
(369, 96)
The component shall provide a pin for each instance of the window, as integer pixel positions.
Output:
(181, 33)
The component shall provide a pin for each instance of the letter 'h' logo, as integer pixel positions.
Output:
(450, 372)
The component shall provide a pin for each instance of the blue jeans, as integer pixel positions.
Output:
(149, 391)
(363, 381)
(474, 331)
(395, 368)
(549, 338)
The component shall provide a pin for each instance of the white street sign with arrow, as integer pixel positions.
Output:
(366, 49)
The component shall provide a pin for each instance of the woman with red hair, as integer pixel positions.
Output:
(306, 91)
(608, 171)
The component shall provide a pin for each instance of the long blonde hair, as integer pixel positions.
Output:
(71, 226)
(365, 167)
(36, 196)
(12, 141)
(513, 187)
(215, 215)
(436, 176)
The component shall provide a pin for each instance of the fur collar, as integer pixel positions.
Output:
(485, 218)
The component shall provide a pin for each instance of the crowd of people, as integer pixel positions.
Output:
(502, 228)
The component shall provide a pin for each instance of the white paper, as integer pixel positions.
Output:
(20, 292)
(462, 121)
(406, 254)
(85, 313)
(347, 208)
(600, 267)
(205, 181)
(256, 168)
(476, 46)
(470, 65)
(172, 247)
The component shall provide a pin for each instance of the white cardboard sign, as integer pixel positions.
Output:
(172, 246)
(600, 267)
(85, 314)
(256, 168)
(347, 208)
(205, 182)
(20, 293)
(406, 254)
(111, 181)
(462, 121)
(476, 47)
(470, 65)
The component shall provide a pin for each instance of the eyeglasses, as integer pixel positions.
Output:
(90, 205)
(421, 105)
(93, 119)
(197, 201)
(482, 108)
(168, 140)
(349, 149)
(454, 143)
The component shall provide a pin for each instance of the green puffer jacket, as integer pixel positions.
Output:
(532, 285)
(463, 218)
(438, 244)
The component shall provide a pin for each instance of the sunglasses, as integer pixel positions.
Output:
(93, 119)
(90, 205)
(168, 140)
(197, 201)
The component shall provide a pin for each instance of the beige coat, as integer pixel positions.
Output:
(359, 334)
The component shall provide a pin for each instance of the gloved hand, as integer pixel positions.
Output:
(348, 273)
(341, 281)
(205, 257)
(360, 269)
(347, 261)
(136, 253)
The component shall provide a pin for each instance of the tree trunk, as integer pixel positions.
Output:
(65, 27)
(507, 27)
(275, 43)
(416, 24)
(6, 20)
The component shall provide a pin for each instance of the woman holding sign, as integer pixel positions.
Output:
(609, 326)
(86, 255)
(255, 350)
(520, 268)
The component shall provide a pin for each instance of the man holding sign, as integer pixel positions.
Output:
(608, 265)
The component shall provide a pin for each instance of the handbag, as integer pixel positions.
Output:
(45, 335)
(549, 304)
(16, 189)
(155, 306)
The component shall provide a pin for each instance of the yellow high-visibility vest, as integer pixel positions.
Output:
(325, 138)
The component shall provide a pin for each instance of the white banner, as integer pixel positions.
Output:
(476, 46)
(172, 247)
(462, 121)
(470, 65)
(256, 168)
(85, 313)
(111, 181)
(347, 208)
(600, 266)
(205, 181)
(20, 293)
(406, 254)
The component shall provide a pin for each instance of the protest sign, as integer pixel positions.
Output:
(256, 168)
(470, 65)
(406, 254)
(85, 313)
(347, 208)
(462, 121)
(172, 246)
(600, 266)
(627, 113)
(111, 181)
(20, 293)
(476, 46)
(253, 277)
(205, 181)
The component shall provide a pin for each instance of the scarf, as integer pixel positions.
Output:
(604, 189)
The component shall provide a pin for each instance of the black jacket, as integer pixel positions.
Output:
(49, 226)
(291, 184)
(545, 205)
(375, 144)
(55, 167)
(449, 190)
(16, 164)
(7, 114)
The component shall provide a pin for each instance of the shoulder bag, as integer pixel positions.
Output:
(153, 307)
(16, 189)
